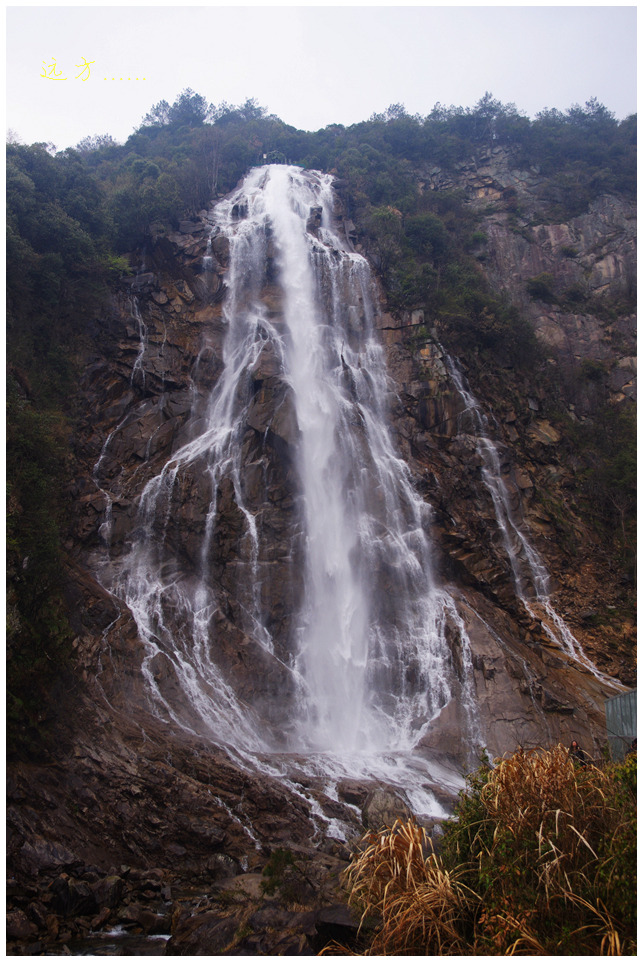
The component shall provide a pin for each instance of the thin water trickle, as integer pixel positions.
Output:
(138, 371)
(530, 575)
(369, 665)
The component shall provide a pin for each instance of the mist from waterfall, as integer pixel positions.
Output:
(371, 662)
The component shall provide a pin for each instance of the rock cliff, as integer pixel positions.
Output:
(584, 317)
(584, 307)
(132, 789)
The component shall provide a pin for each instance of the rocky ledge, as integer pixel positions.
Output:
(134, 838)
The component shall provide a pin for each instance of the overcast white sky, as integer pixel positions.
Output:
(310, 65)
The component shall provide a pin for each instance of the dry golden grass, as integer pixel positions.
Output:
(602, 926)
(398, 881)
(541, 798)
(535, 832)
(524, 785)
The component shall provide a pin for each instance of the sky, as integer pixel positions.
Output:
(76, 71)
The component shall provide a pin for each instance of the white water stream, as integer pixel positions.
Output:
(530, 576)
(371, 660)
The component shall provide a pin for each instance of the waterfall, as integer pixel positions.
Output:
(375, 648)
(141, 330)
(530, 575)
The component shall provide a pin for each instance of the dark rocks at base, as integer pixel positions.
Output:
(206, 934)
(68, 909)
(269, 930)
(266, 928)
(159, 837)
(108, 891)
(70, 896)
(150, 922)
(19, 928)
(337, 922)
(202, 916)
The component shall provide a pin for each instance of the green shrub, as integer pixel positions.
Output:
(542, 288)
(575, 295)
(275, 870)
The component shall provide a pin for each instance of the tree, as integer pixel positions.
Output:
(158, 116)
(97, 142)
(189, 109)
(427, 237)
(593, 116)
(384, 233)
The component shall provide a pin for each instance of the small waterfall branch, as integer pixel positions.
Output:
(530, 576)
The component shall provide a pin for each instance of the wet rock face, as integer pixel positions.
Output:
(436, 436)
(148, 391)
(161, 355)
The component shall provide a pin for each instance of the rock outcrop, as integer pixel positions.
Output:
(584, 307)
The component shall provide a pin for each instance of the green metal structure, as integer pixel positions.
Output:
(620, 718)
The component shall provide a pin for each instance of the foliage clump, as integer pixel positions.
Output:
(542, 288)
(539, 859)
(276, 869)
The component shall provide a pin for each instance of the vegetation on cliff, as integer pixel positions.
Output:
(539, 859)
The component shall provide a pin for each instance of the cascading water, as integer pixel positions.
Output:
(368, 663)
(530, 576)
(138, 369)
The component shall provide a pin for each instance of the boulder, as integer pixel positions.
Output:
(206, 934)
(222, 867)
(152, 923)
(191, 227)
(143, 281)
(352, 792)
(108, 891)
(381, 809)
(337, 923)
(72, 897)
(19, 927)
(445, 735)
(42, 855)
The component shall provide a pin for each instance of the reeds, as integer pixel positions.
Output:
(541, 802)
(540, 859)
(542, 847)
(407, 895)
